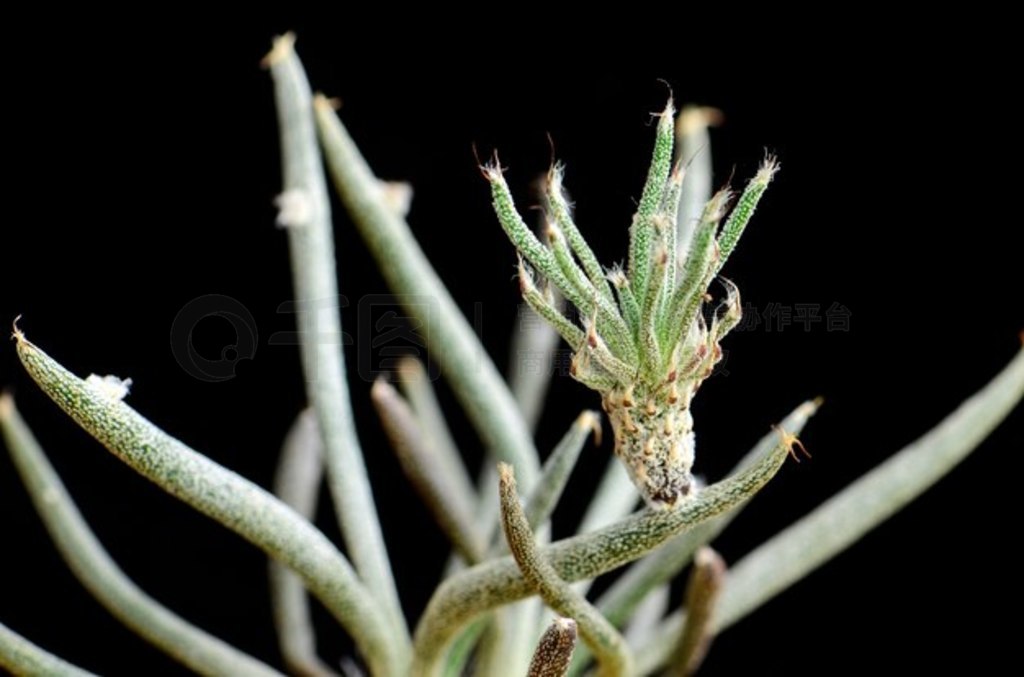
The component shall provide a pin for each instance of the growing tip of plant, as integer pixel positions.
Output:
(769, 167)
(283, 47)
(492, 170)
(591, 419)
(666, 118)
(324, 102)
(717, 206)
(679, 172)
(552, 232)
(692, 119)
(707, 558)
(398, 196)
(505, 475)
(6, 405)
(567, 624)
(410, 367)
(380, 389)
(526, 283)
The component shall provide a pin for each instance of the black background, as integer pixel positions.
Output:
(142, 162)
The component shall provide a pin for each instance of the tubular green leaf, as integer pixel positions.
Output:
(416, 386)
(702, 593)
(567, 264)
(641, 232)
(305, 215)
(870, 500)
(648, 615)
(470, 593)
(609, 322)
(448, 501)
(697, 274)
(694, 151)
(863, 505)
(562, 213)
(543, 306)
(297, 483)
(556, 470)
(554, 651)
(670, 214)
(601, 636)
(474, 378)
(534, 348)
(620, 600)
(94, 568)
(520, 234)
(22, 657)
(229, 499)
(598, 350)
(651, 313)
(557, 265)
(744, 209)
(627, 301)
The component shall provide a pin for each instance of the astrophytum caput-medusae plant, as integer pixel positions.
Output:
(647, 335)
(645, 345)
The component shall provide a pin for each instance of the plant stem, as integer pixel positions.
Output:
(622, 598)
(99, 574)
(847, 516)
(452, 507)
(693, 145)
(22, 657)
(558, 467)
(620, 601)
(554, 651)
(648, 615)
(871, 499)
(229, 499)
(297, 484)
(305, 214)
(415, 383)
(641, 232)
(532, 361)
(555, 263)
(470, 593)
(601, 636)
(560, 209)
(473, 376)
(740, 215)
(702, 593)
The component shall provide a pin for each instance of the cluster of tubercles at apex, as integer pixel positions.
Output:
(646, 342)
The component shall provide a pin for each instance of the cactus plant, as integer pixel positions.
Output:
(642, 340)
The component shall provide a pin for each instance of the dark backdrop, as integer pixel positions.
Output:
(142, 162)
